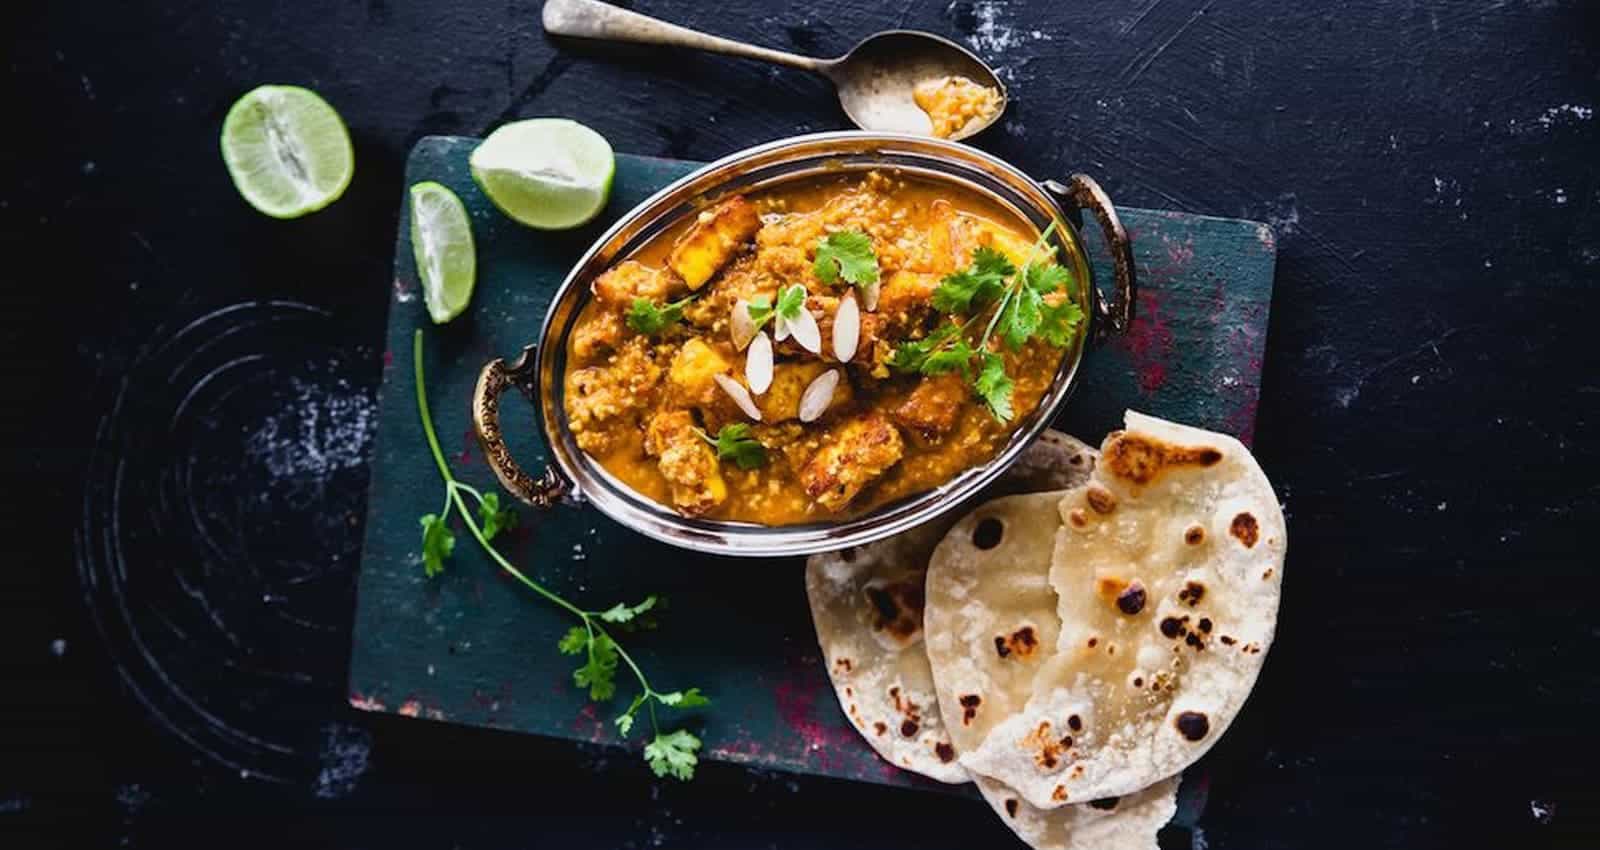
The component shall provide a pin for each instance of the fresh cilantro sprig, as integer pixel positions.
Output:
(734, 442)
(846, 254)
(647, 318)
(1021, 311)
(791, 300)
(668, 753)
(980, 283)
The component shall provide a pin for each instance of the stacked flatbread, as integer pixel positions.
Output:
(1073, 647)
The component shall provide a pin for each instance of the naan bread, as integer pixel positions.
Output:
(1126, 823)
(1165, 579)
(867, 606)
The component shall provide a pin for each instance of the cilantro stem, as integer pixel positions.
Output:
(590, 619)
(453, 492)
(1017, 282)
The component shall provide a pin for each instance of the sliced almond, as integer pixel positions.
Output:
(805, 331)
(869, 295)
(758, 364)
(818, 395)
(740, 326)
(846, 329)
(780, 328)
(740, 396)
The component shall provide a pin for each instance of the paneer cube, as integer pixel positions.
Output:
(631, 279)
(693, 372)
(687, 462)
(905, 297)
(941, 259)
(781, 401)
(713, 239)
(597, 333)
(1016, 249)
(853, 455)
(933, 407)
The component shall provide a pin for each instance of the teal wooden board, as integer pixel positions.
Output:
(474, 647)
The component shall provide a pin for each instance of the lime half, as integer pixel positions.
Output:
(287, 150)
(441, 240)
(549, 173)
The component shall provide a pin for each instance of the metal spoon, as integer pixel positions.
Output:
(875, 79)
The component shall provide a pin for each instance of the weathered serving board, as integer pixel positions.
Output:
(473, 647)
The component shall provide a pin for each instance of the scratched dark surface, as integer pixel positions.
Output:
(186, 457)
(457, 649)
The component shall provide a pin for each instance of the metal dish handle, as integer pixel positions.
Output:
(548, 488)
(1081, 192)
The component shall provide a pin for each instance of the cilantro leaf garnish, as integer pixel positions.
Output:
(734, 442)
(790, 301)
(624, 613)
(981, 282)
(647, 318)
(1059, 324)
(438, 541)
(673, 754)
(492, 518)
(994, 386)
(957, 356)
(910, 356)
(1022, 304)
(599, 672)
(1020, 318)
(691, 698)
(1046, 279)
(576, 640)
(846, 254)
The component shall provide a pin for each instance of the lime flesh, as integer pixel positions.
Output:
(441, 242)
(548, 173)
(287, 150)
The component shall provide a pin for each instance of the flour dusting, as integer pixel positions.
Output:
(318, 433)
(346, 750)
(1556, 116)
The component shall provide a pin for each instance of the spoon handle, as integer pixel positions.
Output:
(593, 19)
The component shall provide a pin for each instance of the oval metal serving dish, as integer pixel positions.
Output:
(537, 373)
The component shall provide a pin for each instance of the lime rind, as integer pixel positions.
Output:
(546, 173)
(287, 150)
(442, 245)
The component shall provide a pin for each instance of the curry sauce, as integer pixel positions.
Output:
(659, 367)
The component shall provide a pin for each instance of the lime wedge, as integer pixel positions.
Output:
(287, 150)
(549, 173)
(441, 241)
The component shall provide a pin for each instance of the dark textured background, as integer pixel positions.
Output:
(190, 386)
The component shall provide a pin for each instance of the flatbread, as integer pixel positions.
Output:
(991, 614)
(1166, 572)
(1126, 823)
(867, 606)
(991, 617)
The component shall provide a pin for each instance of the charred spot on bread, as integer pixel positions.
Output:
(1131, 600)
(1101, 499)
(1192, 725)
(988, 533)
(1020, 643)
(1245, 529)
(1142, 459)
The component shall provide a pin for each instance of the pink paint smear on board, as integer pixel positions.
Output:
(1149, 343)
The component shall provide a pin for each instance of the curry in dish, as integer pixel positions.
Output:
(815, 350)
